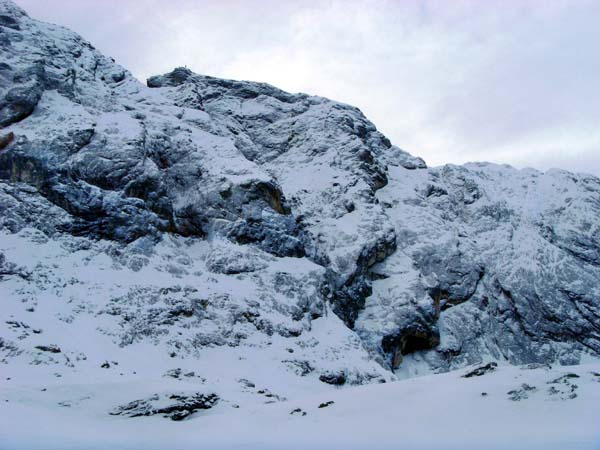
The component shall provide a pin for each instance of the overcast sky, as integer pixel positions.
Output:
(452, 81)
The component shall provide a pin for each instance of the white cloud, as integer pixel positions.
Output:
(512, 81)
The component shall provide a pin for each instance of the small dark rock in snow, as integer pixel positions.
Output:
(521, 394)
(301, 367)
(49, 348)
(567, 389)
(268, 394)
(246, 383)
(173, 373)
(482, 370)
(564, 379)
(326, 404)
(336, 379)
(537, 366)
(298, 411)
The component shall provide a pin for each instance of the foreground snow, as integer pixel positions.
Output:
(436, 411)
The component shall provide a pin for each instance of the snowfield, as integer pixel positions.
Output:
(430, 412)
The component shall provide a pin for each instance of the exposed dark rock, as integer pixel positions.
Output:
(271, 396)
(336, 379)
(415, 337)
(301, 367)
(348, 300)
(173, 373)
(521, 394)
(8, 268)
(533, 366)
(172, 406)
(9, 22)
(6, 139)
(565, 378)
(175, 78)
(482, 370)
(49, 348)
(18, 103)
(247, 383)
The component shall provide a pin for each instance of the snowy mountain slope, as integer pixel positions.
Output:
(327, 158)
(203, 243)
(122, 162)
(174, 300)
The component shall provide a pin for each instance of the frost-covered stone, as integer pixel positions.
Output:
(176, 406)
(479, 264)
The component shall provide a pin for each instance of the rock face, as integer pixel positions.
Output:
(173, 406)
(232, 214)
(492, 263)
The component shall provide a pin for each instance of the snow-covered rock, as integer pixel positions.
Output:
(492, 263)
(273, 244)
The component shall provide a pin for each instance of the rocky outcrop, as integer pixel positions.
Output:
(125, 171)
(328, 159)
(482, 370)
(176, 406)
(480, 275)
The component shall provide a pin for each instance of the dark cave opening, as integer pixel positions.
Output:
(409, 341)
(415, 342)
